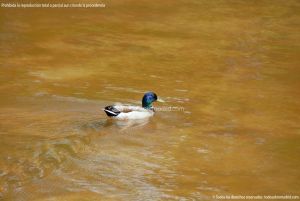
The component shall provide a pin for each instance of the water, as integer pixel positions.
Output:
(231, 65)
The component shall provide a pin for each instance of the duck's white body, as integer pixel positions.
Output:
(126, 112)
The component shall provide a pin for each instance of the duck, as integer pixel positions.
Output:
(128, 112)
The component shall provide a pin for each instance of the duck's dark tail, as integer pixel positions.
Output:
(111, 111)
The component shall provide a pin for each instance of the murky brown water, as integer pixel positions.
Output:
(232, 65)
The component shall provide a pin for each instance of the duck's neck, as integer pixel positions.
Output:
(146, 104)
(148, 107)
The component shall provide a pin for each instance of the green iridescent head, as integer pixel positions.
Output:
(148, 99)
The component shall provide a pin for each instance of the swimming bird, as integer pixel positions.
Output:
(128, 112)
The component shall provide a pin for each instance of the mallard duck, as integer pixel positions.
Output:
(127, 112)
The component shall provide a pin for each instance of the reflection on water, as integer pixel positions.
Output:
(231, 66)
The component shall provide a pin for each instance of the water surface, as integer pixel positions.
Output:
(233, 66)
